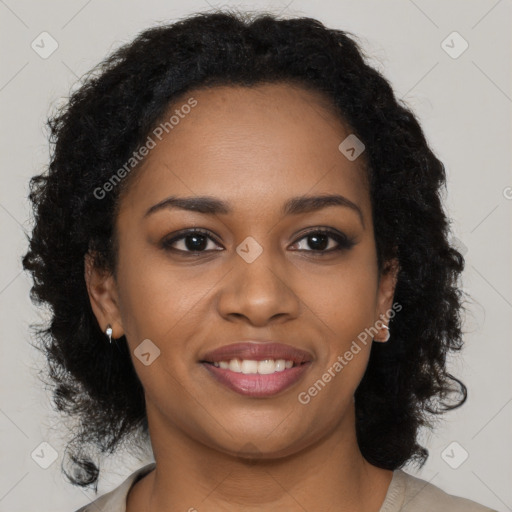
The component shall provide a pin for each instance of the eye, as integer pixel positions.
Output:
(318, 239)
(195, 241)
(192, 241)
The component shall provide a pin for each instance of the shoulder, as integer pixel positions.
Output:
(115, 500)
(422, 496)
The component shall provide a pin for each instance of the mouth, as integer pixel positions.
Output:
(257, 369)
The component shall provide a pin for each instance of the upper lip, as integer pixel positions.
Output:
(257, 351)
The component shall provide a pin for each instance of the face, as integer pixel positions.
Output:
(304, 276)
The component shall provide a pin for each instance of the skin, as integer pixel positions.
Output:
(217, 450)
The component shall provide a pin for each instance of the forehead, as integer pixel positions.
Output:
(254, 146)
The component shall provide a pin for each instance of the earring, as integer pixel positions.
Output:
(384, 326)
(108, 332)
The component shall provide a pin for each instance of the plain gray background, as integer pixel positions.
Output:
(464, 105)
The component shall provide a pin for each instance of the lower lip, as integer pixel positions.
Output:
(256, 385)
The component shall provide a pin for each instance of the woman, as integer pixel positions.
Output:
(242, 240)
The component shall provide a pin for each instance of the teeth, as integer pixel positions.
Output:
(248, 366)
(234, 365)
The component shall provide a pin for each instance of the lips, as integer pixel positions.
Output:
(257, 351)
(257, 385)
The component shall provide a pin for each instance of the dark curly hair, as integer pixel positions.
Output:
(111, 115)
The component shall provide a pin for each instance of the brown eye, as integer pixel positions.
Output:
(319, 242)
(192, 241)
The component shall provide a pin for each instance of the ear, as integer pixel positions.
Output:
(385, 294)
(103, 295)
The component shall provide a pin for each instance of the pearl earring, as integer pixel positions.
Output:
(387, 332)
(108, 332)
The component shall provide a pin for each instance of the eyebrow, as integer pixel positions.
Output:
(296, 205)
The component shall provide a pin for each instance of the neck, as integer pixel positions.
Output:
(330, 474)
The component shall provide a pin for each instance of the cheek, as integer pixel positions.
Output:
(150, 291)
(342, 304)
(344, 297)
(166, 304)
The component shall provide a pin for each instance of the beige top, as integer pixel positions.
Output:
(406, 493)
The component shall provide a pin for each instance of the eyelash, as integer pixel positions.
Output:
(344, 242)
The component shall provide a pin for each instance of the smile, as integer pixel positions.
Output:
(257, 378)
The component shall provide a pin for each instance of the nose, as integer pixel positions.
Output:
(260, 292)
